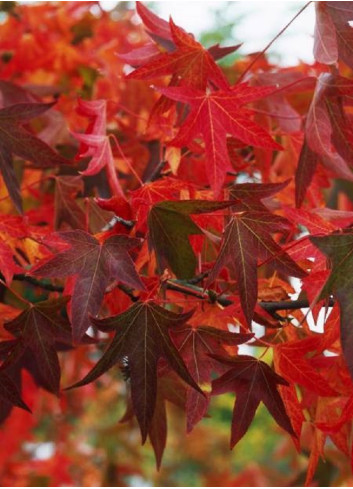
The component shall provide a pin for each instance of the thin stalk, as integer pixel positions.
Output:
(248, 68)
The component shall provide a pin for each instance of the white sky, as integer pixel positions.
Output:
(255, 24)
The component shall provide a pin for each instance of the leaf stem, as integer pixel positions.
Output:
(248, 68)
(22, 299)
(127, 162)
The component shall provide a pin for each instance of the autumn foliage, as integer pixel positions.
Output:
(166, 222)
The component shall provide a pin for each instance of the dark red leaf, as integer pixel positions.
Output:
(94, 264)
(15, 139)
(247, 238)
(252, 381)
(307, 164)
(195, 346)
(67, 209)
(38, 329)
(142, 335)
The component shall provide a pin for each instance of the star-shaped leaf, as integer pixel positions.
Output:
(161, 32)
(169, 389)
(95, 142)
(252, 381)
(37, 329)
(66, 207)
(10, 396)
(15, 139)
(195, 345)
(94, 264)
(142, 335)
(216, 114)
(190, 63)
(247, 238)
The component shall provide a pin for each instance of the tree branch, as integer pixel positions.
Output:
(38, 283)
(187, 287)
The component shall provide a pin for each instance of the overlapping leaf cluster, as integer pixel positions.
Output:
(155, 207)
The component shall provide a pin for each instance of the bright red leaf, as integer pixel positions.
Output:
(190, 63)
(216, 114)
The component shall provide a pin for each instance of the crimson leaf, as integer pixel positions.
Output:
(247, 238)
(253, 381)
(195, 346)
(216, 114)
(38, 328)
(15, 139)
(94, 265)
(142, 335)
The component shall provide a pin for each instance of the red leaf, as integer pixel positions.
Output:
(216, 114)
(156, 25)
(190, 63)
(252, 381)
(142, 335)
(37, 330)
(8, 266)
(296, 368)
(195, 346)
(94, 265)
(95, 142)
(246, 239)
(23, 144)
(325, 41)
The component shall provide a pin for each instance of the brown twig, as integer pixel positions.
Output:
(189, 288)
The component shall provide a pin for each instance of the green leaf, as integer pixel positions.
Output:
(339, 248)
(169, 228)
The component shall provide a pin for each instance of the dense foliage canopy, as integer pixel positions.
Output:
(165, 222)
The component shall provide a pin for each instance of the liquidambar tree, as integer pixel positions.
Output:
(155, 209)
